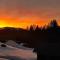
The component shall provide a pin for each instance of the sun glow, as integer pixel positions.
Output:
(22, 22)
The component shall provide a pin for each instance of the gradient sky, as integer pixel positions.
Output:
(22, 13)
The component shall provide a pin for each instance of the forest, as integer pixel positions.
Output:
(33, 36)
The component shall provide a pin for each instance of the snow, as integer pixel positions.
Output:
(14, 53)
(11, 43)
(14, 44)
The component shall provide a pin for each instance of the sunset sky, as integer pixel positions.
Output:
(23, 13)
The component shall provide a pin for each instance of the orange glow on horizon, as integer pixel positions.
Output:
(22, 22)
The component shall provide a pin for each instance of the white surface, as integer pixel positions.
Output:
(19, 53)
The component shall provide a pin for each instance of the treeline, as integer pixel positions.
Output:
(33, 36)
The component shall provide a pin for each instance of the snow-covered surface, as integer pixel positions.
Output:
(14, 53)
(11, 43)
(14, 44)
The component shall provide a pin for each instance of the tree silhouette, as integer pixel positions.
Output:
(53, 23)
